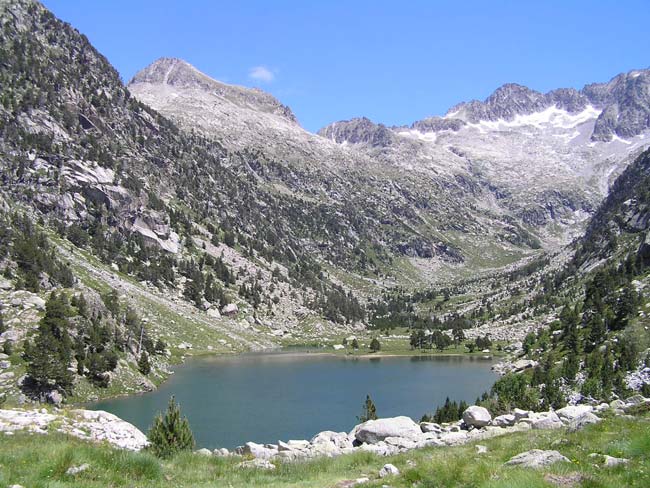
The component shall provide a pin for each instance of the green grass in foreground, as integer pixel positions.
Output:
(36, 461)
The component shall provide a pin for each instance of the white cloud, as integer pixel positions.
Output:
(262, 74)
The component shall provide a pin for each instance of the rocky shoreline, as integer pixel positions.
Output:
(389, 436)
(90, 425)
(384, 437)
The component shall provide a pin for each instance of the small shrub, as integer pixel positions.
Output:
(171, 433)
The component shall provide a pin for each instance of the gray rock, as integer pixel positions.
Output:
(256, 450)
(547, 421)
(572, 412)
(379, 448)
(203, 452)
(611, 461)
(481, 449)
(73, 470)
(582, 421)
(256, 464)
(520, 414)
(617, 404)
(221, 452)
(454, 438)
(536, 458)
(5, 364)
(54, 397)
(374, 431)
(635, 400)
(522, 364)
(430, 427)
(476, 416)
(338, 439)
(401, 443)
(506, 420)
(230, 309)
(293, 445)
(388, 470)
(35, 301)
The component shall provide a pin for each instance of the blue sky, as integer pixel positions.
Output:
(392, 61)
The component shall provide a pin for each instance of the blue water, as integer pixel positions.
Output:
(267, 397)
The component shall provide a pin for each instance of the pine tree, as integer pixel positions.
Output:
(50, 354)
(170, 433)
(375, 346)
(3, 328)
(355, 344)
(369, 411)
(143, 363)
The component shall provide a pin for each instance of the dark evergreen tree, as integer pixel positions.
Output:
(171, 433)
(49, 356)
(369, 411)
(143, 363)
(375, 346)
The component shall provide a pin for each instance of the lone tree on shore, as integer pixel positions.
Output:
(375, 345)
(369, 411)
(171, 433)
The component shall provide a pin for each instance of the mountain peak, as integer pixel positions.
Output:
(360, 130)
(181, 75)
(173, 71)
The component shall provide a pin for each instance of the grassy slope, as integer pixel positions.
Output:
(42, 461)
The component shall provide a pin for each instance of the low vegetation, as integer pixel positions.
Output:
(40, 461)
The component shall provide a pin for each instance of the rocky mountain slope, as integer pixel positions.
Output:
(222, 225)
(547, 158)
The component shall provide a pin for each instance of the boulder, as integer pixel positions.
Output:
(35, 301)
(635, 400)
(374, 431)
(54, 397)
(230, 309)
(476, 416)
(536, 458)
(221, 452)
(339, 439)
(454, 438)
(388, 470)
(203, 452)
(400, 443)
(617, 405)
(572, 412)
(256, 464)
(522, 364)
(214, 313)
(611, 461)
(430, 427)
(380, 449)
(73, 470)
(520, 414)
(582, 421)
(481, 449)
(506, 420)
(293, 445)
(326, 449)
(256, 450)
(546, 421)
